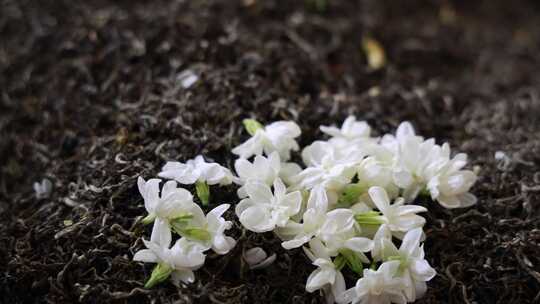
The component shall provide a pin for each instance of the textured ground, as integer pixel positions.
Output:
(90, 99)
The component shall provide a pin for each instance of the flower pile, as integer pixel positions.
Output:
(173, 210)
(351, 205)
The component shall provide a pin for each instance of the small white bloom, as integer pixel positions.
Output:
(208, 231)
(400, 218)
(414, 269)
(172, 203)
(350, 130)
(417, 161)
(404, 131)
(326, 276)
(377, 287)
(371, 173)
(216, 226)
(339, 232)
(262, 211)
(257, 258)
(263, 169)
(450, 186)
(196, 170)
(178, 261)
(43, 189)
(326, 167)
(278, 136)
(297, 234)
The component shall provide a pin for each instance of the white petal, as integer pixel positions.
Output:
(359, 244)
(223, 244)
(182, 275)
(405, 129)
(219, 210)
(279, 187)
(293, 201)
(161, 233)
(297, 241)
(338, 288)
(410, 209)
(318, 249)
(252, 146)
(411, 241)
(275, 161)
(422, 271)
(243, 205)
(257, 219)
(402, 178)
(243, 168)
(259, 193)
(145, 255)
(379, 197)
(180, 172)
(317, 279)
(318, 200)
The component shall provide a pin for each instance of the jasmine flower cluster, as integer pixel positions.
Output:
(351, 204)
(171, 209)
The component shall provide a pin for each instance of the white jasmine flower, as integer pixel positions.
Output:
(257, 258)
(209, 230)
(417, 160)
(43, 189)
(297, 234)
(370, 173)
(196, 170)
(326, 167)
(326, 276)
(177, 262)
(350, 130)
(338, 232)
(216, 226)
(377, 287)
(264, 170)
(172, 203)
(278, 136)
(414, 269)
(451, 185)
(405, 130)
(400, 218)
(262, 211)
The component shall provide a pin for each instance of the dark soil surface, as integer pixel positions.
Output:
(90, 99)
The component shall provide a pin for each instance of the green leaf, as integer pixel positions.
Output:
(252, 126)
(160, 273)
(203, 192)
